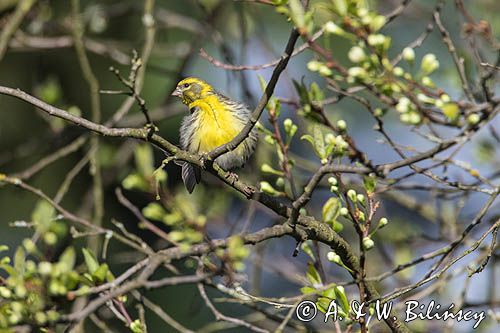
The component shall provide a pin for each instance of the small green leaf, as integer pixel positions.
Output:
(275, 105)
(306, 247)
(313, 276)
(297, 13)
(136, 326)
(323, 303)
(43, 215)
(90, 260)
(307, 290)
(370, 184)
(377, 23)
(302, 92)
(331, 210)
(67, 260)
(101, 273)
(316, 94)
(308, 138)
(135, 181)
(50, 91)
(344, 303)
(329, 293)
(172, 218)
(262, 82)
(4, 264)
(319, 141)
(340, 7)
(144, 160)
(154, 211)
(20, 260)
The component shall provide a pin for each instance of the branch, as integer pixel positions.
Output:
(24, 42)
(78, 31)
(219, 316)
(161, 313)
(275, 62)
(23, 7)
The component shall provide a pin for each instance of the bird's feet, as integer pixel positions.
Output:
(248, 191)
(204, 160)
(232, 177)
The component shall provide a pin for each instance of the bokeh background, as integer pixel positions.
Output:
(238, 32)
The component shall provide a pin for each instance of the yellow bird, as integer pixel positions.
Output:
(214, 120)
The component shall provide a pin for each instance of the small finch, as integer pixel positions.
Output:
(214, 120)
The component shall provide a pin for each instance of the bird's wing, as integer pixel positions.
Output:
(187, 130)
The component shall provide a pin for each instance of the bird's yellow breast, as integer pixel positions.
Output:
(215, 126)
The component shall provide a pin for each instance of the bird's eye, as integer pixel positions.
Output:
(186, 85)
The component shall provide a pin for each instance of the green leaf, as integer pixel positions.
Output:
(19, 260)
(301, 91)
(101, 272)
(136, 326)
(340, 293)
(154, 211)
(316, 94)
(109, 276)
(4, 264)
(307, 290)
(319, 141)
(370, 184)
(377, 22)
(135, 181)
(340, 7)
(330, 148)
(50, 91)
(308, 138)
(331, 210)
(67, 259)
(43, 215)
(323, 303)
(90, 260)
(144, 160)
(329, 293)
(297, 13)
(172, 218)
(262, 82)
(313, 276)
(306, 247)
(274, 104)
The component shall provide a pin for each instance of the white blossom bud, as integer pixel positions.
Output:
(408, 54)
(356, 54)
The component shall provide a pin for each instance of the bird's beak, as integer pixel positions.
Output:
(177, 92)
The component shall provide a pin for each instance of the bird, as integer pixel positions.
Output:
(213, 120)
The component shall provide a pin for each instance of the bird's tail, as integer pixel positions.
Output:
(191, 175)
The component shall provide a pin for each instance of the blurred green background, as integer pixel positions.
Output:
(232, 31)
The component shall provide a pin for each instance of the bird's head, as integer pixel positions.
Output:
(192, 89)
